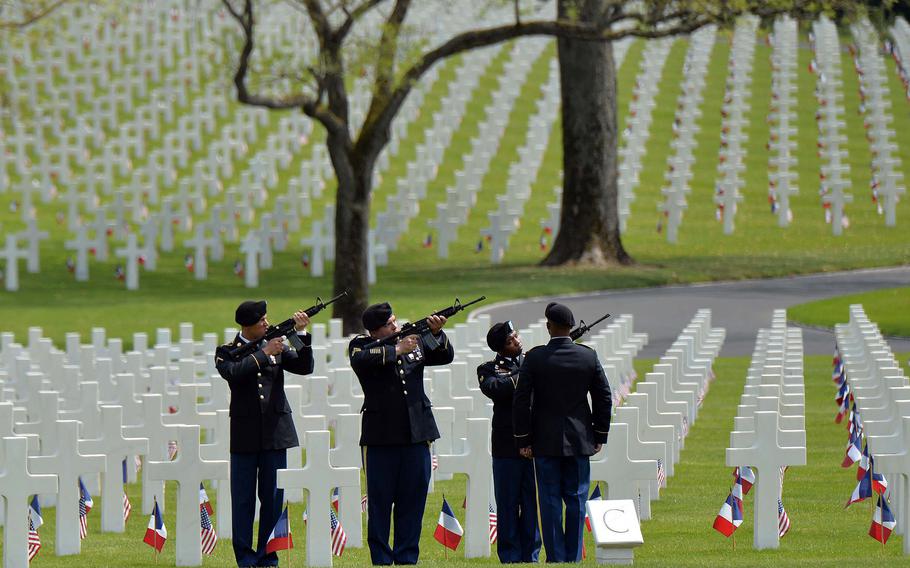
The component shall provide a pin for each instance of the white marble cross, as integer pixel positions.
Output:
(767, 455)
(115, 449)
(16, 484)
(318, 478)
(199, 243)
(33, 236)
(132, 252)
(347, 453)
(251, 247)
(477, 464)
(624, 476)
(158, 435)
(11, 254)
(219, 449)
(899, 462)
(319, 244)
(69, 465)
(189, 470)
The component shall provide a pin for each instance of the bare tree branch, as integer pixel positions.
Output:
(354, 15)
(31, 18)
(312, 106)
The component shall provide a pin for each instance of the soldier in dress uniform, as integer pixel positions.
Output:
(262, 426)
(555, 425)
(397, 429)
(518, 539)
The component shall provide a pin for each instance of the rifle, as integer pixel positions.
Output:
(422, 326)
(584, 328)
(284, 328)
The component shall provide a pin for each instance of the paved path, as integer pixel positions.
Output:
(742, 307)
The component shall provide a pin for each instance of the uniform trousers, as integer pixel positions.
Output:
(397, 481)
(518, 539)
(246, 470)
(562, 479)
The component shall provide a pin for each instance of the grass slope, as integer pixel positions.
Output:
(888, 308)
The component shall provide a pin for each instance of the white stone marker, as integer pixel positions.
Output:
(346, 453)
(476, 463)
(318, 478)
(623, 475)
(115, 449)
(189, 470)
(131, 252)
(899, 462)
(251, 248)
(616, 530)
(82, 245)
(33, 236)
(158, 435)
(767, 455)
(16, 484)
(11, 254)
(69, 465)
(220, 450)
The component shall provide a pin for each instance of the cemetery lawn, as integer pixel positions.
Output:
(888, 308)
(823, 533)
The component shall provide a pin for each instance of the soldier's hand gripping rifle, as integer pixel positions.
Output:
(285, 329)
(584, 328)
(421, 326)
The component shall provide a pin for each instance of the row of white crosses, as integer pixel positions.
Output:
(506, 219)
(261, 172)
(549, 225)
(887, 173)
(461, 198)
(735, 111)
(900, 36)
(651, 423)
(638, 122)
(835, 171)
(404, 204)
(769, 430)
(782, 144)
(882, 395)
(679, 165)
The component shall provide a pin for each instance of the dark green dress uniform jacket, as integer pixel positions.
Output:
(396, 409)
(551, 412)
(261, 418)
(497, 380)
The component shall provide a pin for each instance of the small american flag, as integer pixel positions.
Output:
(209, 538)
(127, 507)
(435, 462)
(338, 536)
(335, 499)
(85, 505)
(661, 474)
(171, 449)
(34, 521)
(363, 503)
(493, 523)
(783, 521)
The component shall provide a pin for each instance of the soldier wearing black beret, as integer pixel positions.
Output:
(518, 539)
(397, 428)
(555, 425)
(262, 426)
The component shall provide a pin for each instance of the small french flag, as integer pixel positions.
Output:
(448, 529)
(280, 539)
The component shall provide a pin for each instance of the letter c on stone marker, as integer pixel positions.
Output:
(607, 523)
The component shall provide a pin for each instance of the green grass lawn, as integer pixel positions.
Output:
(887, 308)
(679, 533)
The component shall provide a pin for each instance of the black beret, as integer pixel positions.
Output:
(559, 314)
(496, 337)
(376, 316)
(250, 312)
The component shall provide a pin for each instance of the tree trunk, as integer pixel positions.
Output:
(589, 220)
(352, 221)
